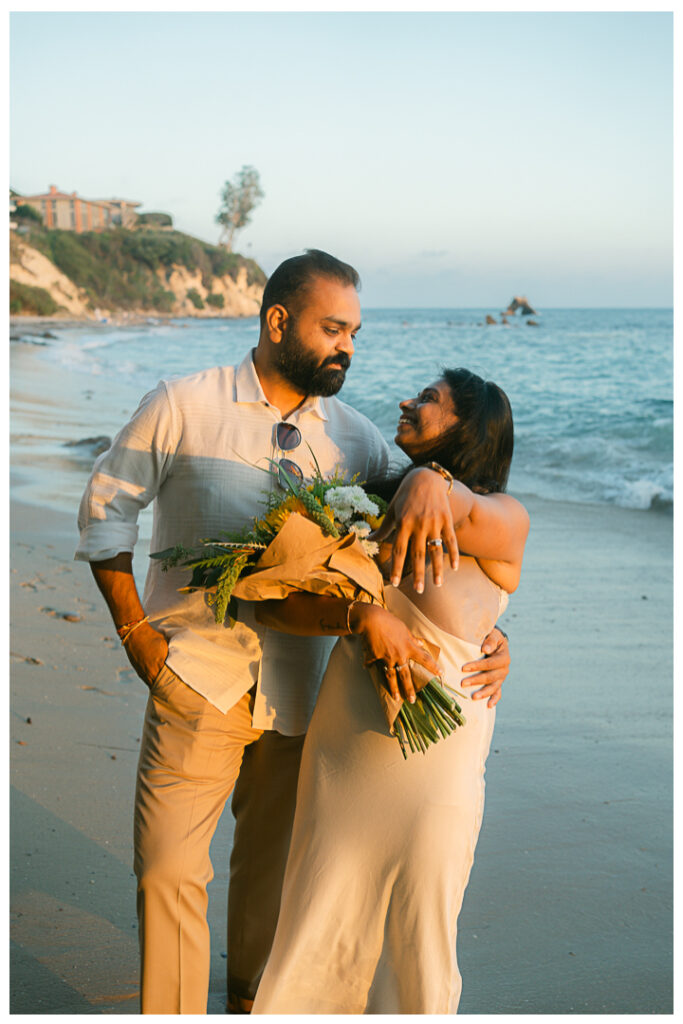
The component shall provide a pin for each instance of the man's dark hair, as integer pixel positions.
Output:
(288, 282)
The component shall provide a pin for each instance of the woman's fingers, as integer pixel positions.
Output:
(405, 662)
(451, 544)
(431, 546)
(497, 661)
(399, 682)
(492, 690)
(490, 686)
(435, 555)
(484, 678)
(391, 681)
(406, 680)
(426, 543)
(398, 554)
(418, 557)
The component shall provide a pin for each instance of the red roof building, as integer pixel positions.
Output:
(70, 212)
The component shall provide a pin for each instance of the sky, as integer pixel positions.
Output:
(456, 159)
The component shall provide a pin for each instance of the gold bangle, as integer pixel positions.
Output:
(348, 613)
(442, 472)
(121, 630)
(130, 627)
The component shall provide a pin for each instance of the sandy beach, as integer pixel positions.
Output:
(569, 905)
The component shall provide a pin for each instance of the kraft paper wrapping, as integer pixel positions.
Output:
(302, 557)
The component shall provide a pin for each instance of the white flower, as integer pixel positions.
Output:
(349, 501)
(362, 530)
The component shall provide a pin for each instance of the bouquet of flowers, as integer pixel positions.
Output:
(315, 539)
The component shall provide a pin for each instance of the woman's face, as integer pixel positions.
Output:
(425, 418)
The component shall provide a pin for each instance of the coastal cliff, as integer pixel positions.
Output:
(123, 274)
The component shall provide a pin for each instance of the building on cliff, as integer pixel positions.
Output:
(70, 212)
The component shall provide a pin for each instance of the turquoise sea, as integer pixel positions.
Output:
(591, 389)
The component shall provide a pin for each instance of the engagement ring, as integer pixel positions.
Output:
(436, 542)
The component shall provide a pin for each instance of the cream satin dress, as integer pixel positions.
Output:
(382, 847)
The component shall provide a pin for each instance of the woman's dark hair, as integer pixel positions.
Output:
(288, 282)
(477, 449)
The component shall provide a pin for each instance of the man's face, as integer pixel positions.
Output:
(318, 340)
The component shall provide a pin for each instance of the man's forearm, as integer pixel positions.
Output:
(306, 614)
(146, 647)
(114, 577)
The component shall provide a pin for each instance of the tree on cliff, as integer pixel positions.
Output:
(239, 197)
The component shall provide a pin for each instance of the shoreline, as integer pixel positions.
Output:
(122, 318)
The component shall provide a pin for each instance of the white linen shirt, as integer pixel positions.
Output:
(198, 448)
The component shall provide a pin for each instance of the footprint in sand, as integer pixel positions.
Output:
(125, 675)
(67, 616)
(37, 582)
(34, 583)
(25, 657)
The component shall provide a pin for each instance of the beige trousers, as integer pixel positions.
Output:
(191, 757)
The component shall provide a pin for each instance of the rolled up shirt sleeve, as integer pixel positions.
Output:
(127, 477)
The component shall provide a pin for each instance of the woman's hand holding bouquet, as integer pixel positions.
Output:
(389, 643)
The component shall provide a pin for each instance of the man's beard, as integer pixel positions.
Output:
(302, 370)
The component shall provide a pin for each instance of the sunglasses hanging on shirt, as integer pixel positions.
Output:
(287, 438)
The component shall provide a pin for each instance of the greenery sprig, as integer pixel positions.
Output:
(433, 716)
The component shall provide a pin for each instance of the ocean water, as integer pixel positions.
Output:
(591, 389)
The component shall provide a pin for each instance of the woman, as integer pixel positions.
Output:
(382, 848)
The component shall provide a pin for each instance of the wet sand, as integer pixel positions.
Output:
(569, 905)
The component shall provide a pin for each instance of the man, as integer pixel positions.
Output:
(229, 707)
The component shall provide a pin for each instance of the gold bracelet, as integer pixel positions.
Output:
(348, 613)
(442, 472)
(130, 627)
